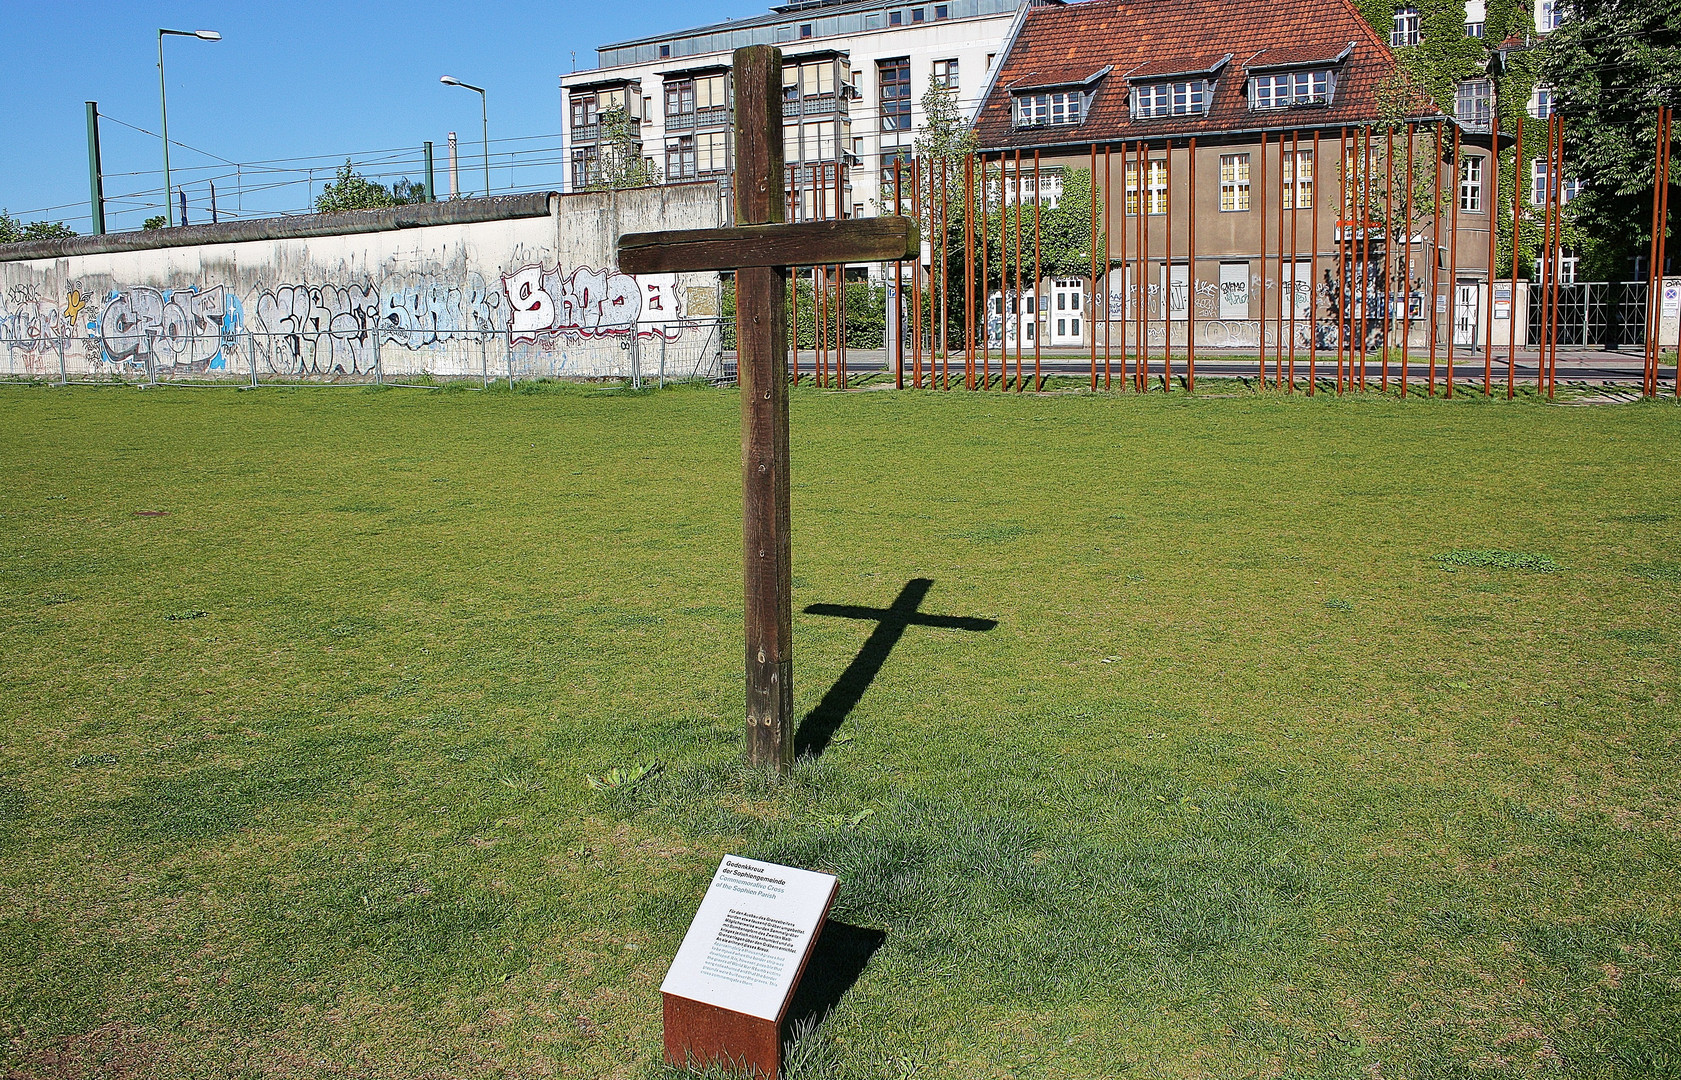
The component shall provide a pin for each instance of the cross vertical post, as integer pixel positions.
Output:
(760, 248)
(762, 364)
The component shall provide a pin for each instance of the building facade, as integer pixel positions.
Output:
(1268, 244)
(854, 75)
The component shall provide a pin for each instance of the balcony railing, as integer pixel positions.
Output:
(815, 105)
(711, 116)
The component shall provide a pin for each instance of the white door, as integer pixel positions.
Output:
(1066, 319)
(1465, 314)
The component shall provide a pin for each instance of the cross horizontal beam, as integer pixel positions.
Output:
(806, 243)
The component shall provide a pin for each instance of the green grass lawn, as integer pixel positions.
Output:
(1315, 738)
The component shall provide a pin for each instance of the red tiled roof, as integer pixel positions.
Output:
(1281, 56)
(1177, 65)
(1067, 42)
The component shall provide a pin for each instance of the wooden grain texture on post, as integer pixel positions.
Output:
(808, 243)
(762, 363)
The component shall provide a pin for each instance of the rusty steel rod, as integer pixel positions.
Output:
(898, 283)
(1555, 251)
(1093, 292)
(1167, 270)
(1341, 238)
(1100, 295)
(1261, 224)
(1435, 252)
(969, 271)
(1512, 309)
(1407, 208)
(1038, 276)
(1458, 180)
(1021, 301)
(1388, 248)
(1295, 260)
(1191, 270)
(1313, 278)
(1492, 207)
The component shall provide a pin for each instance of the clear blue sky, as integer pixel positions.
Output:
(303, 79)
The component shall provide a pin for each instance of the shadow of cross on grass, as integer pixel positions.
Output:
(820, 723)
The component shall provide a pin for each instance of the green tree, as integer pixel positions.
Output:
(352, 191)
(1610, 66)
(620, 163)
(13, 231)
(156, 221)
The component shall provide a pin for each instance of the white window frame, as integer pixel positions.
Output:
(1298, 179)
(1049, 108)
(1189, 98)
(947, 73)
(1403, 28)
(1471, 185)
(1234, 184)
(1475, 96)
(1284, 89)
(1541, 102)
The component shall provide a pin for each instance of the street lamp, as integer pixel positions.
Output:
(163, 102)
(484, 116)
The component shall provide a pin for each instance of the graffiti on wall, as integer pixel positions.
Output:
(590, 303)
(177, 330)
(333, 328)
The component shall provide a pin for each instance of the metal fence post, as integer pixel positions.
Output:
(63, 374)
(483, 345)
(379, 368)
(635, 360)
(251, 351)
(662, 361)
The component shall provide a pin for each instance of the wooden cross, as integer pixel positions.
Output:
(761, 248)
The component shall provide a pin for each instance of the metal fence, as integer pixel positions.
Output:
(371, 356)
(1607, 314)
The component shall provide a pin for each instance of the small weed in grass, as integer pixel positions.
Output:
(1662, 571)
(1496, 559)
(1336, 604)
(623, 777)
(183, 616)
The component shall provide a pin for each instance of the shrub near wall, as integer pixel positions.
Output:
(866, 314)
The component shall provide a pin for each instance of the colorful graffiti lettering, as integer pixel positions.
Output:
(170, 329)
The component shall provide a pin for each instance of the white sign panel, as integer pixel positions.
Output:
(747, 942)
(1671, 299)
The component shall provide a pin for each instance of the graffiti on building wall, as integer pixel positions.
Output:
(590, 303)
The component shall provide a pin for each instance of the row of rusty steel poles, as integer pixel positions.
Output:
(825, 307)
(1367, 258)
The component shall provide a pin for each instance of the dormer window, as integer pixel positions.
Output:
(1049, 108)
(1171, 98)
(1292, 88)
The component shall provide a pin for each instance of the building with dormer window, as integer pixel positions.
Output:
(1253, 100)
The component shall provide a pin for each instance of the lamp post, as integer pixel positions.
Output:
(484, 117)
(163, 103)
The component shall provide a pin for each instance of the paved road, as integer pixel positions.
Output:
(1595, 366)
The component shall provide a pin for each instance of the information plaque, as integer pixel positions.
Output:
(731, 981)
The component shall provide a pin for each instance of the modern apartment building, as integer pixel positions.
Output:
(854, 75)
